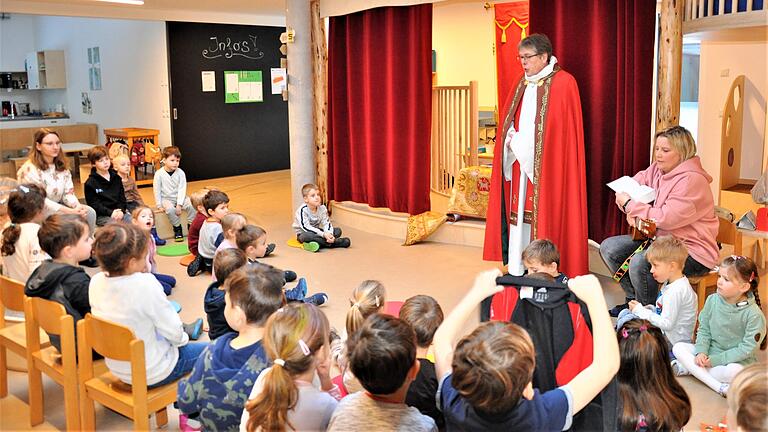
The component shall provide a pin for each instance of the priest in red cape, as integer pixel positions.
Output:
(542, 134)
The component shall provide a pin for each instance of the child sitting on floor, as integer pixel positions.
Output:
(193, 235)
(230, 225)
(20, 246)
(104, 189)
(226, 262)
(367, 299)
(471, 401)
(123, 293)
(313, 225)
(424, 315)
(216, 204)
(144, 218)
(296, 341)
(675, 309)
(382, 354)
(66, 238)
(650, 398)
(122, 165)
(218, 388)
(748, 399)
(731, 327)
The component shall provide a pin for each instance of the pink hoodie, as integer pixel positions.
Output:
(684, 208)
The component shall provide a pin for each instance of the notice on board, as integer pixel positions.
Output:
(278, 80)
(209, 81)
(243, 87)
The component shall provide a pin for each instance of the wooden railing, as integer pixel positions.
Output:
(454, 134)
(705, 15)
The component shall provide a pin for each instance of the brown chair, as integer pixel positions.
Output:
(135, 401)
(707, 284)
(12, 336)
(61, 367)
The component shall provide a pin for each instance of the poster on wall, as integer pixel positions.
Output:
(94, 68)
(85, 101)
(278, 80)
(209, 81)
(243, 87)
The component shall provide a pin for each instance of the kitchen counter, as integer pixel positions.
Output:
(31, 117)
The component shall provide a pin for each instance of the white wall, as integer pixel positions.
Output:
(740, 58)
(134, 69)
(17, 38)
(463, 36)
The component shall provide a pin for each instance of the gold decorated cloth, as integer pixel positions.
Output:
(422, 226)
(469, 196)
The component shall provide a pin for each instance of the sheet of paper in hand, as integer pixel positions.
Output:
(635, 190)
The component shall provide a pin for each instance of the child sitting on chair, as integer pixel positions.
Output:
(104, 189)
(170, 188)
(313, 225)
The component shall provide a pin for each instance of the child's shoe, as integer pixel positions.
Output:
(318, 299)
(194, 267)
(298, 292)
(178, 234)
(311, 246)
(270, 249)
(343, 242)
(678, 369)
(176, 305)
(187, 424)
(156, 238)
(194, 329)
(290, 275)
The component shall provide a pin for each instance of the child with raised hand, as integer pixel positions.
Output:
(65, 237)
(650, 397)
(367, 299)
(731, 327)
(313, 225)
(104, 189)
(122, 292)
(230, 225)
(20, 246)
(471, 401)
(424, 315)
(748, 399)
(675, 309)
(217, 389)
(284, 397)
(214, 303)
(382, 354)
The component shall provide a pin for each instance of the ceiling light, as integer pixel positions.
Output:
(130, 2)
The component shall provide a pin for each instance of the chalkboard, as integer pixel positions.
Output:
(219, 139)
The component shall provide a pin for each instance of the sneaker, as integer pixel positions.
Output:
(318, 299)
(298, 292)
(617, 309)
(678, 369)
(178, 234)
(723, 391)
(176, 305)
(90, 262)
(311, 246)
(290, 275)
(270, 249)
(342, 242)
(194, 329)
(156, 238)
(194, 267)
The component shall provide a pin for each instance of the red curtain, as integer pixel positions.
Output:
(510, 23)
(380, 107)
(608, 47)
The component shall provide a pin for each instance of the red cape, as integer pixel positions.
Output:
(561, 213)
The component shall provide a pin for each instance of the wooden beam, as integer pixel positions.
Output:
(670, 64)
(320, 82)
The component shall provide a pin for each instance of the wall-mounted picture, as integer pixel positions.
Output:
(94, 68)
(85, 101)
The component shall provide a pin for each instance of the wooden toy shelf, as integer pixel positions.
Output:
(146, 159)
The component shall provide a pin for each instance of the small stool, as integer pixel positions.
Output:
(163, 224)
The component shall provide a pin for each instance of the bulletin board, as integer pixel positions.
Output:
(243, 87)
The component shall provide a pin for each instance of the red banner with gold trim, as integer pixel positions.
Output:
(511, 25)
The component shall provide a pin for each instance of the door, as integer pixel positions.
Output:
(216, 138)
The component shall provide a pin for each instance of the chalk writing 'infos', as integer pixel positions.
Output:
(227, 48)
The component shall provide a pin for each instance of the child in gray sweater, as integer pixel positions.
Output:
(313, 225)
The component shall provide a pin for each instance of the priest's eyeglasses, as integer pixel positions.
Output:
(524, 58)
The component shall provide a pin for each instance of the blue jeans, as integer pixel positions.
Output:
(167, 281)
(188, 355)
(639, 283)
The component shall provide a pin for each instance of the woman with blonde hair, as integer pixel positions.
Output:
(683, 207)
(296, 341)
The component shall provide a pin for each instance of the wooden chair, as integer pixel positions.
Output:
(12, 336)
(703, 285)
(61, 367)
(135, 401)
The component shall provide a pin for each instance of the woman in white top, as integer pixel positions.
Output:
(296, 340)
(47, 167)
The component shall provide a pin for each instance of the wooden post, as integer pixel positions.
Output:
(670, 64)
(320, 113)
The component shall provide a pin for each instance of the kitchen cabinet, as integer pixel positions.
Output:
(46, 70)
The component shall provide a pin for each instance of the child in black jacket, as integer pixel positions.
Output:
(225, 262)
(104, 189)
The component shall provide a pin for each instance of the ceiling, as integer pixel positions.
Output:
(233, 11)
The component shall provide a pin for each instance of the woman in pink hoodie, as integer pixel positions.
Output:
(683, 208)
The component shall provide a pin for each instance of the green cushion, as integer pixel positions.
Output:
(173, 249)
